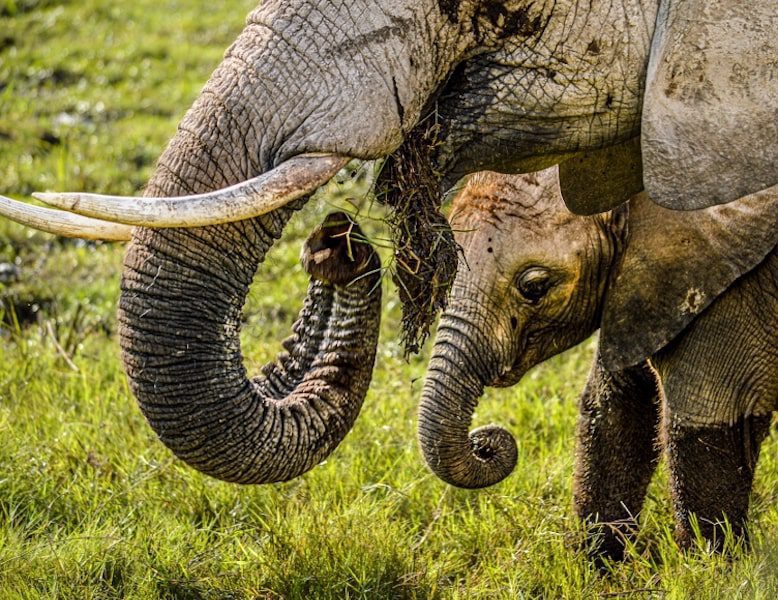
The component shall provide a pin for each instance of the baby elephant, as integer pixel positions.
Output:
(687, 307)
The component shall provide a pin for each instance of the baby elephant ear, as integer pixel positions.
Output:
(596, 181)
(674, 265)
(710, 112)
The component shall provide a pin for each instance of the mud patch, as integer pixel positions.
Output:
(693, 302)
(494, 20)
(450, 8)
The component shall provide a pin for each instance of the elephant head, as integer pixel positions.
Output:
(535, 280)
(512, 85)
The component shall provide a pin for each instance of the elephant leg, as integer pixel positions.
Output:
(720, 385)
(616, 454)
(711, 474)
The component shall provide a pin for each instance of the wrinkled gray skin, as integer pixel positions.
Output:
(353, 78)
(281, 424)
(535, 280)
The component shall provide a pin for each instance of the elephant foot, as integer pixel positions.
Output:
(606, 541)
(714, 534)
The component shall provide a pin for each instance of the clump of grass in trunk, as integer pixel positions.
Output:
(424, 248)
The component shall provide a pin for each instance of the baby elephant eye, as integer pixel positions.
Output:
(534, 283)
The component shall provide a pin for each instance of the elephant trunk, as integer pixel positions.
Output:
(290, 85)
(180, 321)
(183, 290)
(457, 373)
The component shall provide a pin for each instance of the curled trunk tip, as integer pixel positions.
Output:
(338, 253)
(496, 448)
(488, 455)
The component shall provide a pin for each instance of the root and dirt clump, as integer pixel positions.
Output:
(424, 248)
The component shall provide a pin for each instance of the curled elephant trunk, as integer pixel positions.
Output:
(455, 382)
(184, 362)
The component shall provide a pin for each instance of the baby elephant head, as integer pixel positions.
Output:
(530, 284)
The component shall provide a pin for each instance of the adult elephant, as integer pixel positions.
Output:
(513, 85)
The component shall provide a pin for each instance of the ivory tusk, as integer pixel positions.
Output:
(292, 179)
(63, 223)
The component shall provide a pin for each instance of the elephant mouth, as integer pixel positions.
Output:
(508, 375)
(507, 378)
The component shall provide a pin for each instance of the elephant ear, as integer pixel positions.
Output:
(596, 181)
(674, 265)
(710, 112)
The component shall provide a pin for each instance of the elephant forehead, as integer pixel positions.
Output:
(508, 213)
(494, 255)
(493, 198)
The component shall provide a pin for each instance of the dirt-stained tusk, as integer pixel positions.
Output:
(292, 179)
(63, 223)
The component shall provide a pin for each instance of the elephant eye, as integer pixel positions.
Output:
(534, 283)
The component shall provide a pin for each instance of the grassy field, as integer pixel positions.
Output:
(93, 506)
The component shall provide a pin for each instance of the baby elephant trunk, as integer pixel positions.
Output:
(455, 381)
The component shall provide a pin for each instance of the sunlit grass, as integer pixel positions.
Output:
(93, 506)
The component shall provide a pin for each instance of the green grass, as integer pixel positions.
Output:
(93, 506)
